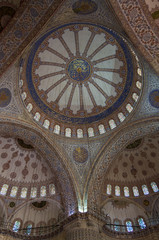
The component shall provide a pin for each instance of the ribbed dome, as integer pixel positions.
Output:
(81, 74)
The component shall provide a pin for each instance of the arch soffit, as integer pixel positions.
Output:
(136, 30)
(51, 153)
(111, 148)
(4, 208)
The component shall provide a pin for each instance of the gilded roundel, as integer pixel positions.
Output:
(80, 74)
(5, 97)
(84, 7)
(80, 154)
(154, 98)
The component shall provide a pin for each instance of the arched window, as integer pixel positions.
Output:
(23, 192)
(68, 132)
(154, 187)
(145, 190)
(4, 189)
(57, 129)
(139, 71)
(129, 107)
(141, 222)
(37, 116)
(109, 189)
(90, 132)
(13, 192)
(28, 229)
(101, 129)
(129, 226)
(16, 226)
(126, 192)
(46, 124)
(135, 97)
(33, 192)
(52, 189)
(20, 83)
(117, 191)
(116, 225)
(43, 191)
(24, 95)
(112, 124)
(121, 117)
(138, 85)
(135, 191)
(29, 107)
(79, 133)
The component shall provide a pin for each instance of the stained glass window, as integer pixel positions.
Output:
(129, 226)
(43, 191)
(139, 71)
(135, 191)
(126, 192)
(141, 223)
(112, 124)
(20, 83)
(116, 225)
(4, 189)
(29, 107)
(90, 132)
(79, 133)
(14, 191)
(28, 229)
(154, 187)
(117, 191)
(52, 189)
(145, 190)
(24, 95)
(24, 192)
(16, 226)
(37, 116)
(109, 189)
(57, 129)
(135, 97)
(33, 192)
(121, 117)
(129, 107)
(46, 123)
(101, 129)
(138, 85)
(68, 132)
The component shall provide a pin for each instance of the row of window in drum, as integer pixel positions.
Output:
(135, 190)
(129, 225)
(24, 190)
(91, 133)
(116, 226)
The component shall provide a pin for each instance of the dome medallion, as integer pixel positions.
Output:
(79, 69)
(80, 76)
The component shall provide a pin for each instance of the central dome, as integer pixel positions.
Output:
(79, 73)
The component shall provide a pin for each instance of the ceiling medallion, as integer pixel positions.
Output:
(79, 69)
(154, 98)
(5, 97)
(84, 7)
(80, 74)
(80, 154)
